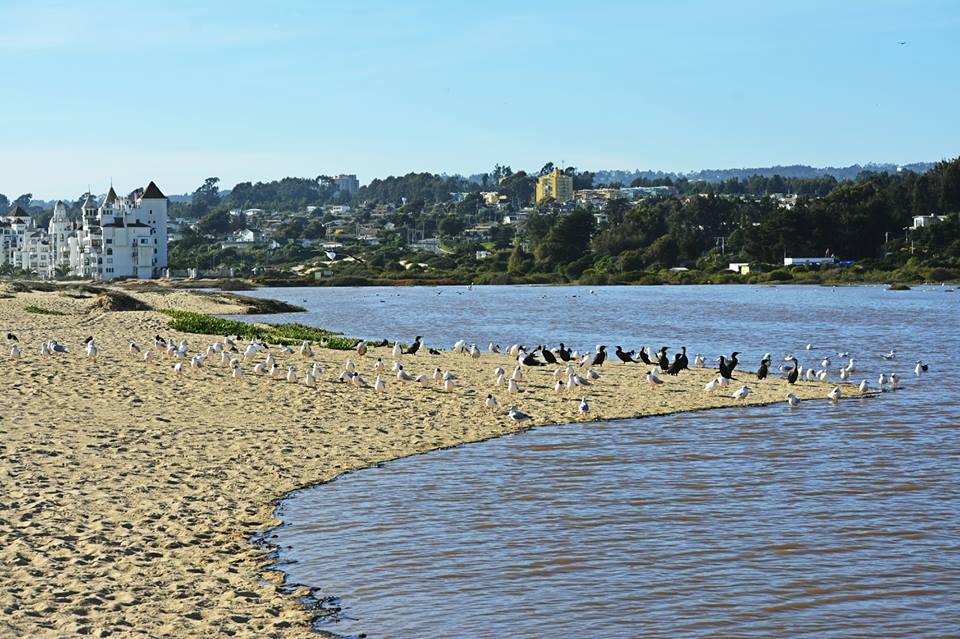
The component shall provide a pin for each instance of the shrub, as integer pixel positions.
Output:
(896, 286)
(779, 276)
(42, 311)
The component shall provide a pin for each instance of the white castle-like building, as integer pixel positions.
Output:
(119, 237)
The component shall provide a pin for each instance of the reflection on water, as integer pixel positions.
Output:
(827, 520)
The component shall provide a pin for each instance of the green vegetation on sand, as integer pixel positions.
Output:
(189, 322)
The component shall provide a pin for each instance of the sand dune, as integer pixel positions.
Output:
(130, 494)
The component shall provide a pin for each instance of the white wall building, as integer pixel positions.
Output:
(120, 237)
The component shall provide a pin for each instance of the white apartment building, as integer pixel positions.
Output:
(119, 237)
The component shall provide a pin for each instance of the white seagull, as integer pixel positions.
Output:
(378, 385)
(517, 415)
(490, 402)
(834, 394)
(792, 400)
(584, 407)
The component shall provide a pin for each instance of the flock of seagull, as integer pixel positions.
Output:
(574, 370)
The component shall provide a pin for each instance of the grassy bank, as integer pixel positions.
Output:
(190, 322)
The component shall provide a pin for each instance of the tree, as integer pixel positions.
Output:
(452, 226)
(4, 203)
(216, 223)
(24, 200)
(206, 196)
(663, 251)
(568, 240)
(547, 168)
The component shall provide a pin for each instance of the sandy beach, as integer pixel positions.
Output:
(130, 495)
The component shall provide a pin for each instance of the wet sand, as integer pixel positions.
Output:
(130, 495)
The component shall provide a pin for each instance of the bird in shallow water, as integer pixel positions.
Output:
(889, 356)
(792, 400)
(920, 368)
(834, 394)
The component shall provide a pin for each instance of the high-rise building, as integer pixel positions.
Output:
(120, 237)
(347, 183)
(555, 184)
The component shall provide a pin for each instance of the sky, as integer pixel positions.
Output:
(177, 91)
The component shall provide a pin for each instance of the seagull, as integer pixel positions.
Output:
(474, 351)
(592, 374)
(808, 347)
(712, 385)
(517, 415)
(792, 400)
(741, 393)
(404, 376)
(438, 374)
(517, 374)
(345, 375)
(825, 363)
(45, 351)
(362, 348)
(493, 348)
(349, 365)
(894, 381)
(448, 385)
(559, 387)
(512, 387)
(309, 380)
(500, 380)
(379, 365)
(882, 381)
(178, 367)
(275, 372)
(921, 368)
(490, 402)
(134, 348)
(238, 374)
(15, 351)
(358, 380)
(378, 385)
(834, 394)
(652, 378)
(891, 355)
(698, 361)
(92, 350)
(584, 407)
(863, 388)
(424, 380)
(147, 355)
(397, 351)
(56, 347)
(844, 375)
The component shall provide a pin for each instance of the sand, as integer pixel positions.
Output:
(130, 496)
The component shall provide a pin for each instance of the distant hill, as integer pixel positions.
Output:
(791, 171)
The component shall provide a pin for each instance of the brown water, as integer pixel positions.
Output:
(824, 520)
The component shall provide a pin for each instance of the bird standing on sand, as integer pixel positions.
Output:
(712, 385)
(517, 415)
(404, 376)
(378, 385)
(15, 351)
(764, 369)
(362, 348)
(237, 374)
(424, 380)
(490, 402)
(512, 387)
(794, 373)
(834, 394)
(397, 351)
(178, 368)
(626, 358)
(448, 385)
(741, 393)
(92, 350)
(379, 364)
(698, 361)
(412, 350)
(584, 407)
(652, 378)
(309, 380)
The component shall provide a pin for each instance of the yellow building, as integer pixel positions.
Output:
(556, 185)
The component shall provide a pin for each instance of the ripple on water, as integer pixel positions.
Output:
(827, 520)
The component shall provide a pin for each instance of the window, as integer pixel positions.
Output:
(109, 241)
(109, 250)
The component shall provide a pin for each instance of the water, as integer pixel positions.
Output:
(826, 520)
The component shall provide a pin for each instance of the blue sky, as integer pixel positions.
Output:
(177, 91)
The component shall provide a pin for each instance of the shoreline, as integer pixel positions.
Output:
(134, 495)
(302, 592)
